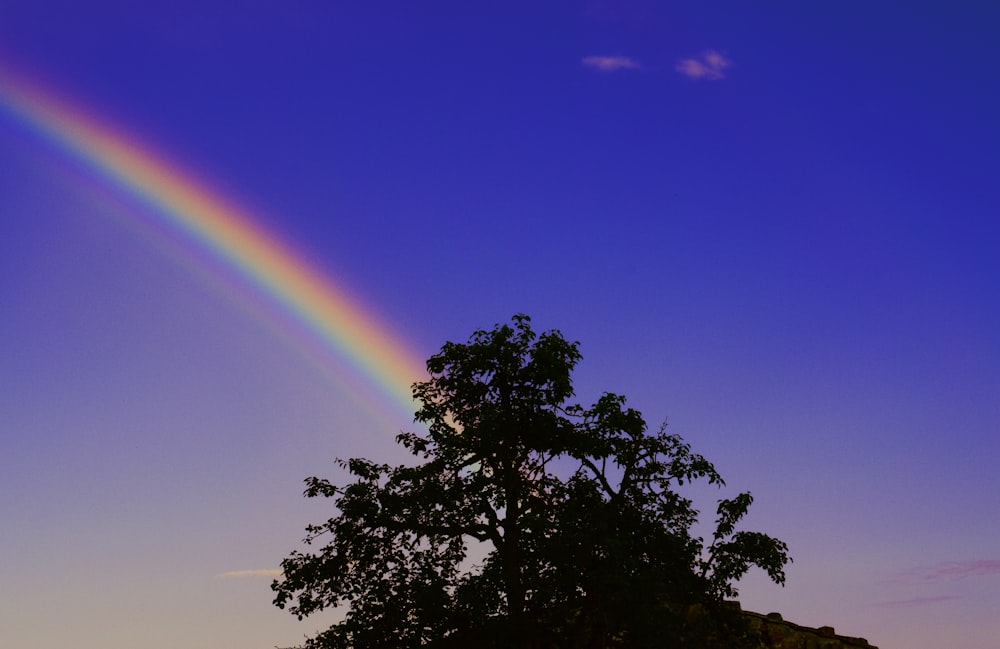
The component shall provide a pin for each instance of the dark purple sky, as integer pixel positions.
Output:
(774, 223)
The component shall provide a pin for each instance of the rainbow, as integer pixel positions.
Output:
(229, 235)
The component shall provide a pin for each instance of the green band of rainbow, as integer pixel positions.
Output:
(227, 233)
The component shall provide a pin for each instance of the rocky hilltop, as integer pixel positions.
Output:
(777, 633)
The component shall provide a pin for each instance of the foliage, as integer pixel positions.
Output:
(573, 513)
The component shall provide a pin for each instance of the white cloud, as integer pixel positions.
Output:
(251, 574)
(609, 63)
(708, 65)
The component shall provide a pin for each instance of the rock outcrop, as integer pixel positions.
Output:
(776, 633)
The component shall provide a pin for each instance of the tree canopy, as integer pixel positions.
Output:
(524, 521)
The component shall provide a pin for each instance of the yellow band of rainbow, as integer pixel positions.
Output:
(225, 232)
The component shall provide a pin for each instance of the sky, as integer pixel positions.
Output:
(772, 224)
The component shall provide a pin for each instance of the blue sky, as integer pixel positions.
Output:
(774, 225)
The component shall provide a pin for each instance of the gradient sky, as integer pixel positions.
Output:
(775, 224)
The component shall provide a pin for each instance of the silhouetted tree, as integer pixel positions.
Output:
(526, 521)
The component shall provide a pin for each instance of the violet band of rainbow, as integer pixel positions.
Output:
(226, 233)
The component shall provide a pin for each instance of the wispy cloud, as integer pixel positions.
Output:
(609, 63)
(248, 574)
(708, 65)
(950, 571)
(917, 601)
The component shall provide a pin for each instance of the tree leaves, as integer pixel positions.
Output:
(587, 541)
